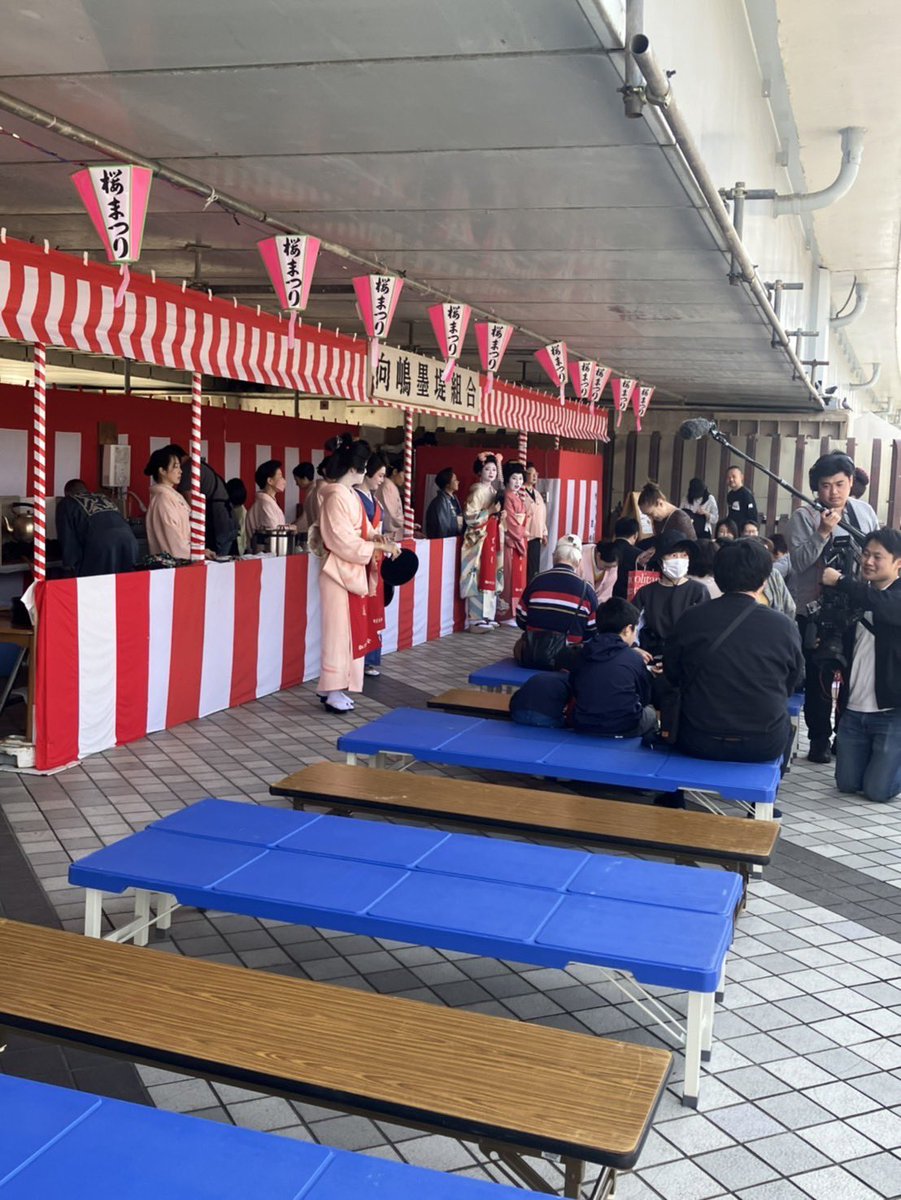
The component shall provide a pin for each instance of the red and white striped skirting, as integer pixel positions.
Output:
(121, 656)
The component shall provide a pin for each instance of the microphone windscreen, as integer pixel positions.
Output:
(695, 428)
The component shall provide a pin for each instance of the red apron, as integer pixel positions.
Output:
(367, 613)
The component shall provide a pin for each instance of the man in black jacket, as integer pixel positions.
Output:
(444, 517)
(869, 734)
(94, 537)
(735, 662)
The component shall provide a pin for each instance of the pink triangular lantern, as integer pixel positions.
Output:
(450, 322)
(641, 399)
(493, 339)
(377, 297)
(601, 378)
(116, 198)
(553, 359)
(290, 259)
(582, 372)
(622, 394)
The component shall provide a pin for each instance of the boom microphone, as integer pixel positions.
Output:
(696, 428)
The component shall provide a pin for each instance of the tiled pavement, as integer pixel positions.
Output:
(803, 1097)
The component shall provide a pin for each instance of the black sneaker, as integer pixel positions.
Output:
(819, 751)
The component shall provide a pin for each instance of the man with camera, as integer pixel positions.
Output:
(817, 542)
(869, 736)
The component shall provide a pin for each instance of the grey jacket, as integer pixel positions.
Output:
(806, 548)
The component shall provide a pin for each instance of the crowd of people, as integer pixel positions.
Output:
(705, 653)
(657, 655)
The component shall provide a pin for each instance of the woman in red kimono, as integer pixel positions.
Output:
(349, 545)
(516, 540)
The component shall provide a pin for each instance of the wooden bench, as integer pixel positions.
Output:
(61, 1142)
(517, 1089)
(733, 842)
(473, 703)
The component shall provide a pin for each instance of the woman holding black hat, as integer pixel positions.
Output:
(349, 544)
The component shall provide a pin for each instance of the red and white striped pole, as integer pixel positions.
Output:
(408, 473)
(198, 500)
(523, 448)
(40, 462)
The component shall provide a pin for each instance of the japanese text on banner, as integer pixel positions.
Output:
(413, 380)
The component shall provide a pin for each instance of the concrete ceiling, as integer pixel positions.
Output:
(480, 147)
(835, 59)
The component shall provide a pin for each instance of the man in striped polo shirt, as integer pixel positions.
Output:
(558, 605)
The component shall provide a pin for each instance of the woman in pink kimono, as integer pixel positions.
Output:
(168, 518)
(344, 583)
(516, 540)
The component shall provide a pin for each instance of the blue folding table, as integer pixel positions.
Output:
(56, 1142)
(503, 676)
(655, 923)
(483, 744)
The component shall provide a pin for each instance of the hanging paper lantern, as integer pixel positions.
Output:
(622, 393)
(377, 297)
(450, 322)
(493, 339)
(116, 197)
(601, 378)
(290, 259)
(553, 359)
(641, 399)
(582, 373)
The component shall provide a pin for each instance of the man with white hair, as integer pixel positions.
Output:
(557, 609)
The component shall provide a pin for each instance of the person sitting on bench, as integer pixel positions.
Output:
(735, 663)
(556, 611)
(610, 680)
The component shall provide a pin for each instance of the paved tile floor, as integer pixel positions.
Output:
(803, 1097)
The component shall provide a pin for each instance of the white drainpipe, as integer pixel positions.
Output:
(863, 294)
(852, 152)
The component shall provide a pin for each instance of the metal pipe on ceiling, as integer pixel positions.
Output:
(659, 93)
(84, 137)
(872, 381)
(863, 295)
(801, 202)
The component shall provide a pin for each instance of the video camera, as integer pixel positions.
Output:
(834, 613)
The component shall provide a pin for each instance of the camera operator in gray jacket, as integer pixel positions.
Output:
(817, 541)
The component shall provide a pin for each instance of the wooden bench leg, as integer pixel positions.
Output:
(93, 912)
(574, 1174)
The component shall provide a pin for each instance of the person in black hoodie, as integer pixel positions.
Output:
(609, 678)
